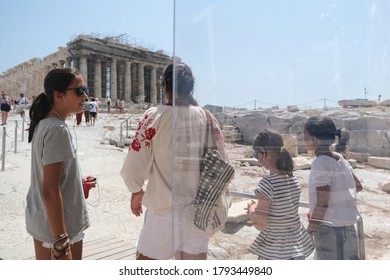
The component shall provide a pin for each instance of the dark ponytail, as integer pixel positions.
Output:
(272, 142)
(343, 141)
(38, 111)
(285, 163)
(58, 80)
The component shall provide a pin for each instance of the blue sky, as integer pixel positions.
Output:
(277, 52)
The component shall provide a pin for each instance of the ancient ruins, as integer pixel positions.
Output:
(110, 65)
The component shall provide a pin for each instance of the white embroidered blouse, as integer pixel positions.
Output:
(165, 154)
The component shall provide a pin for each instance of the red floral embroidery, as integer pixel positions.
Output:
(136, 145)
(149, 133)
(218, 134)
(140, 125)
(143, 138)
(148, 122)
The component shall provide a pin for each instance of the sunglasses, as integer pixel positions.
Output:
(256, 154)
(80, 90)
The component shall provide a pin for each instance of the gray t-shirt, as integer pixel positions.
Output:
(52, 143)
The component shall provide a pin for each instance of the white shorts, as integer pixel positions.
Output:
(77, 238)
(162, 236)
(20, 108)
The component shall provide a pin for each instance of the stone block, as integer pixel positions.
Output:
(357, 103)
(292, 108)
(385, 185)
(291, 144)
(120, 144)
(352, 162)
(127, 142)
(214, 108)
(374, 142)
(385, 102)
(380, 162)
(360, 157)
(302, 163)
(250, 161)
(237, 214)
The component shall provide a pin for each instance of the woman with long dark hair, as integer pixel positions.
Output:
(332, 193)
(56, 214)
(166, 151)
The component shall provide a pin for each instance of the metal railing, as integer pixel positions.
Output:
(14, 143)
(128, 125)
(359, 226)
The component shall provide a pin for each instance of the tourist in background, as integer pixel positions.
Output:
(108, 104)
(22, 103)
(275, 213)
(116, 106)
(332, 194)
(5, 104)
(79, 117)
(121, 106)
(56, 213)
(93, 110)
(86, 112)
(173, 177)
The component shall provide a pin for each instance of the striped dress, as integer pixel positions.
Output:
(284, 237)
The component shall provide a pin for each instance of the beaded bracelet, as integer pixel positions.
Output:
(61, 246)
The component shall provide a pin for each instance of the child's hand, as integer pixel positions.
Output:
(250, 206)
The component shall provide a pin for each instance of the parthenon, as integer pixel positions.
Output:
(109, 66)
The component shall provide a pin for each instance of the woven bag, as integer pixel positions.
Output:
(213, 200)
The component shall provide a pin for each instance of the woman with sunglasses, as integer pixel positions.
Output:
(56, 213)
(275, 213)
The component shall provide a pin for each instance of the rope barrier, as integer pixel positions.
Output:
(255, 101)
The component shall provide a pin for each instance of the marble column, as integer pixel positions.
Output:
(141, 83)
(36, 89)
(127, 81)
(153, 85)
(41, 77)
(98, 79)
(61, 63)
(84, 68)
(113, 80)
(47, 69)
(68, 62)
(134, 92)
(29, 85)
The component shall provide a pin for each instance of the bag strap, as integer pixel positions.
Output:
(210, 129)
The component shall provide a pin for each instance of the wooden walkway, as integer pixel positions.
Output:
(107, 248)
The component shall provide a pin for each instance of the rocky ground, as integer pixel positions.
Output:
(109, 203)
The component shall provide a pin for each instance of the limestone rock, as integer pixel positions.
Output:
(237, 213)
(357, 103)
(385, 186)
(380, 162)
(213, 108)
(302, 163)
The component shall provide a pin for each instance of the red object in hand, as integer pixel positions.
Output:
(88, 184)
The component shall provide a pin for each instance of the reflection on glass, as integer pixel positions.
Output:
(274, 64)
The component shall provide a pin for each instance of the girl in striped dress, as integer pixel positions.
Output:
(275, 213)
